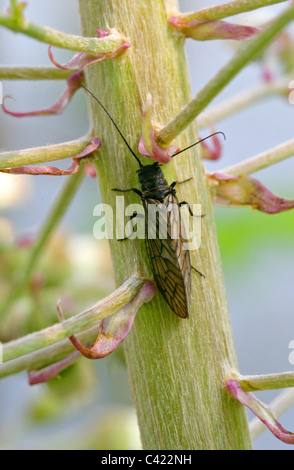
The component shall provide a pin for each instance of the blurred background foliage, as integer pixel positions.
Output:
(89, 406)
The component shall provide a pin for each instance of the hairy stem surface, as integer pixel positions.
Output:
(176, 367)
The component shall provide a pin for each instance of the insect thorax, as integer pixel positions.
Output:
(154, 184)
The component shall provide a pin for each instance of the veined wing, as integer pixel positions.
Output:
(171, 264)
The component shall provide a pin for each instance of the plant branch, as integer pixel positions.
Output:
(103, 45)
(32, 73)
(242, 100)
(60, 331)
(223, 77)
(225, 10)
(44, 154)
(16, 9)
(253, 383)
(47, 355)
(56, 214)
(250, 383)
(263, 160)
(50, 224)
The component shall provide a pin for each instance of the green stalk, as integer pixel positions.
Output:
(84, 320)
(250, 50)
(47, 355)
(279, 87)
(278, 406)
(55, 38)
(262, 160)
(251, 383)
(57, 212)
(225, 10)
(177, 368)
(48, 153)
(32, 73)
(15, 9)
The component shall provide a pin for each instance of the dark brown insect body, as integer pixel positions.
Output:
(170, 261)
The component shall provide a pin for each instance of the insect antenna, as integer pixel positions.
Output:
(199, 141)
(114, 123)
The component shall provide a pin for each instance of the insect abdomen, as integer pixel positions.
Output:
(169, 259)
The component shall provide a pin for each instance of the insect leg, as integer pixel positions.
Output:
(135, 190)
(180, 182)
(198, 271)
(185, 203)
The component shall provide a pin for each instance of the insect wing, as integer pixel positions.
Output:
(170, 262)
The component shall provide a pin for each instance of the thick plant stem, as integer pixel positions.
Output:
(176, 367)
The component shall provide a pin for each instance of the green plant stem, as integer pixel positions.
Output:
(243, 100)
(176, 367)
(223, 77)
(251, 383)
(84, 320)
(225, 10)
(33, 73)
(263, 160)
(55, 38)
(47, 355)
(51, 222)
(15, 9)
(55, 216)
(48, 153)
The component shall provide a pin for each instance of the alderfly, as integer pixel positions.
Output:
(169, 258)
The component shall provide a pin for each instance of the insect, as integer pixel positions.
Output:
(170, 260)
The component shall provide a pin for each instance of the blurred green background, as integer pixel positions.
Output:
(91, 406)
